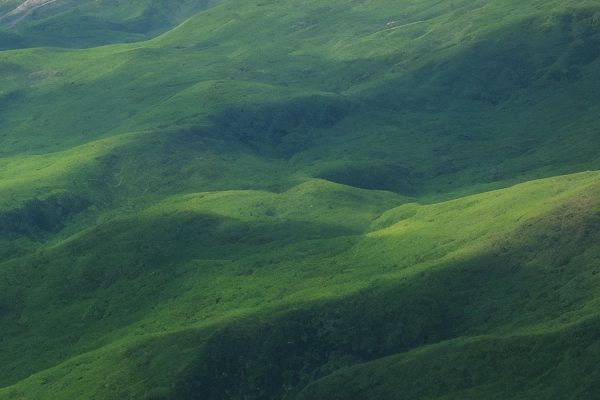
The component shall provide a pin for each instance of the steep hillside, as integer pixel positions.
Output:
(299, 200)
(182, 285)
(85, 23)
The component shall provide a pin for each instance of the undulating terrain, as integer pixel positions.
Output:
(300, 200)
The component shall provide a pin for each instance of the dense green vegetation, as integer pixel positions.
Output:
(85, 23)
(299, 200)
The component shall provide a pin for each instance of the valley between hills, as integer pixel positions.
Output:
(308, 200)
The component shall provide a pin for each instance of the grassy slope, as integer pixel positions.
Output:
(412, 102)
(70, 23)
(197, 151)
(104, 297)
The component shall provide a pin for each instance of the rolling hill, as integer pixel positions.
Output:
(299, 200)
(87, 23)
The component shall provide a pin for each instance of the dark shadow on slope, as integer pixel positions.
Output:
(553, 365)
(373, 175)
(532, 55)
(282, 129)
(38, 217)
(539, 274)
(10, 40)
(271, 358)
(475, 110)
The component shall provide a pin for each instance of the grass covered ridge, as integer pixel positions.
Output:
(161, 274)
(299, 200)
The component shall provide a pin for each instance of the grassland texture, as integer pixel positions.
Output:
(300, 200)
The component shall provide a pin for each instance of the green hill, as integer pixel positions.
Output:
(299, 200)
(86, 23)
